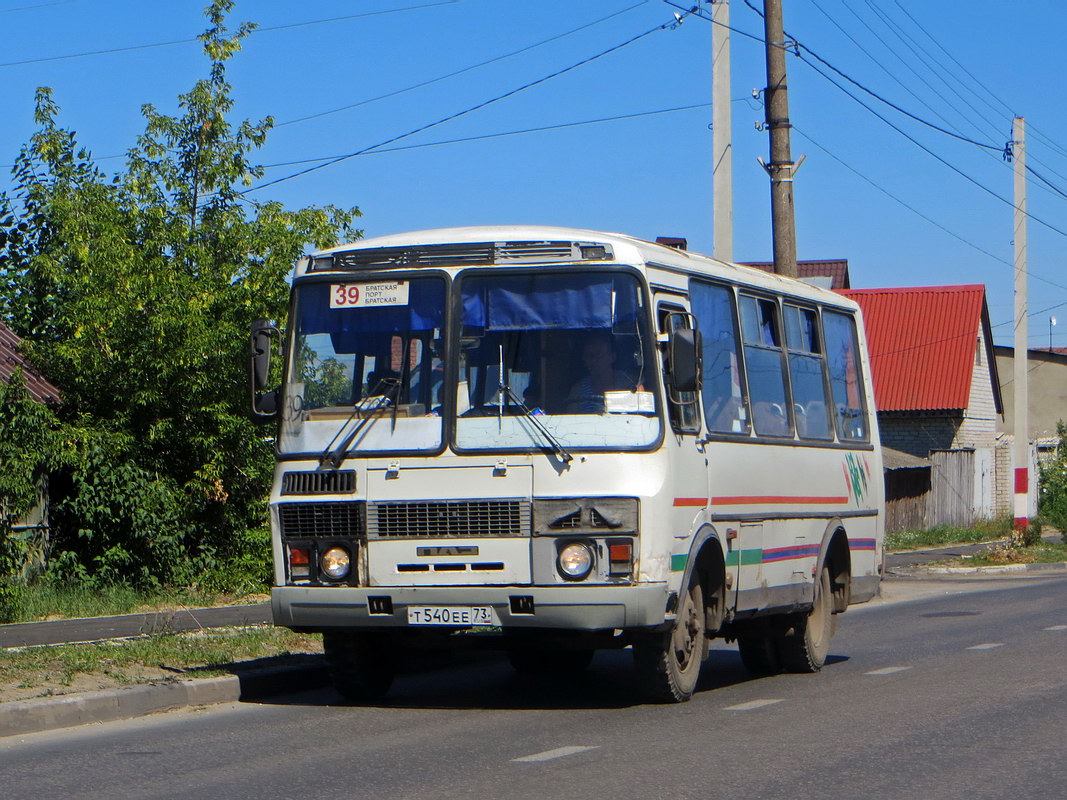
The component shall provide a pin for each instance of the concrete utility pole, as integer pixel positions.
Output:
(781, 167)
(1022, 426)
(722, 198)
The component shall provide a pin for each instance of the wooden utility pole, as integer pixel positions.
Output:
(1021, 424)
(722, 200)
(781, 167)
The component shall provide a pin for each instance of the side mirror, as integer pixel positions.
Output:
(683, 360)
(264, 403)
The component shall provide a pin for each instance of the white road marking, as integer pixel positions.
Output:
(751, 704)
(1056, 628)
(986, 646)
(886, 670)
(559, 752)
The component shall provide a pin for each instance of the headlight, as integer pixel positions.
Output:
(575, 560)
(335, 563)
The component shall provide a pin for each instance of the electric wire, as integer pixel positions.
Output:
(799, 46)
(926, 60)
(501, 134)
(130, 48)
(1050, 142)
(934, 67)
(453, 74)
(470, 109)
(1050, 187)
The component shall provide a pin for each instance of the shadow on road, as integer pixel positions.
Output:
(487, 682)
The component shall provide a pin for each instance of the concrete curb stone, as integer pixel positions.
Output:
(108, 705)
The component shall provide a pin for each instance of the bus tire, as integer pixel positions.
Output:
(668, 664)
(550, 662)
(361, 665)
(759, 655)
(806, 644)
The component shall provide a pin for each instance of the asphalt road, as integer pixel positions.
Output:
(955, 696)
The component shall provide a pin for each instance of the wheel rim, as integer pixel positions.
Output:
(819, 616)
(686, 634)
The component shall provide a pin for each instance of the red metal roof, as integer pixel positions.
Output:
(835, 269)
(922, 344)
(11, 359)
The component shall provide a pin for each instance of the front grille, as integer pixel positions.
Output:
(453, 518)
(337, 482)
(321, 519)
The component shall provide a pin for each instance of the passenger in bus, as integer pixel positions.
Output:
(598, 359)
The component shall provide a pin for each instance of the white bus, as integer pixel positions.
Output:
(555, 441)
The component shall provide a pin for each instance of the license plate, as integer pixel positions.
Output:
(463, 616)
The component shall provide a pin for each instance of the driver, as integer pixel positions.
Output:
(587, 394)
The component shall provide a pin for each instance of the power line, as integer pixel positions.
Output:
(501, 134)
(920, 214)
(190, 41)
(668, 25)
(463, 70)
(38, 5)
(899, 33)
(989, 91)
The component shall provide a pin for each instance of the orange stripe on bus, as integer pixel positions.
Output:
(776, 500)
(691, 501)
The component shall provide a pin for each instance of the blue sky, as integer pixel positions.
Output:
(965, 67)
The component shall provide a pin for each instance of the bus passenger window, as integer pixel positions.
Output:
(771, 414)
(806, 370)
(723, 392)
(846, 382)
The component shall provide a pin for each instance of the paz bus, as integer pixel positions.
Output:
(556, 441)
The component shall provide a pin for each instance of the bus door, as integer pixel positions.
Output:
(689, 466)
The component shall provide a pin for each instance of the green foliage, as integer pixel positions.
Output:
(135, 293)
(28, 447)
(1052, 492)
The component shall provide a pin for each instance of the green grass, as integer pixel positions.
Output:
(210, 652)
(47, 601)
(1045, 553)
(981, 531)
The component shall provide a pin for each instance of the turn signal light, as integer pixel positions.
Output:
(299, 563)
(620, 557)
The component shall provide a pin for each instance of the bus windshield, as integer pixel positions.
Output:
(571, 349)
(367, 366)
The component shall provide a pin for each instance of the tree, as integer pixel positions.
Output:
(135, 294)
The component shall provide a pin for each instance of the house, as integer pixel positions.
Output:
(11, 359)
(937, 393)
(1046, 373)
(829, 273)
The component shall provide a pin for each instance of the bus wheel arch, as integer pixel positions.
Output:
(836, 557)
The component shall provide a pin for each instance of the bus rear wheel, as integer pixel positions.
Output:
(806, 644)
(668, 664)
(361, 665)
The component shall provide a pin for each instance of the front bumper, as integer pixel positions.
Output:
(584, 608)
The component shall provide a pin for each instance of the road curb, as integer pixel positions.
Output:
(1001, 570)
(108, 705)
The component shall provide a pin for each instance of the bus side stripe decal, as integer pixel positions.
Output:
(787, 553)
(746, 558)
(861, 544)
(775, 500)
(690, 501)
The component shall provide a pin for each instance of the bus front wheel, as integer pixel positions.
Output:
(361, 665)
(668, 664)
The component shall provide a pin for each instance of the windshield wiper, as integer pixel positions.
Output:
(377, 400)
(557, 446)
